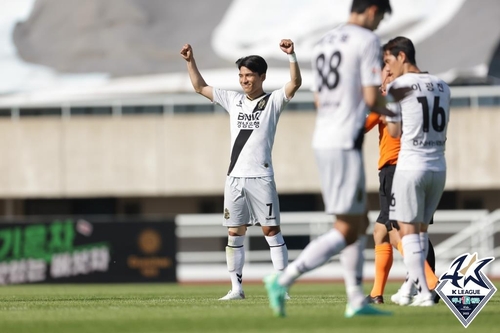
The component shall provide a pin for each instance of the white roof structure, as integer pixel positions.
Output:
(454, 39)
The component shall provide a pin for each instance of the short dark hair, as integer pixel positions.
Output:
(401, 44)
(359, 6)
(255, 63)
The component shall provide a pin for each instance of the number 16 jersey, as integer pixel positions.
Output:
(344, 61)
(425, 114)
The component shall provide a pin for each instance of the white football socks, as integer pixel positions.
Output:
(279, 251)
(352, 260)
(424, 243)
(414, 261)
(235, 258)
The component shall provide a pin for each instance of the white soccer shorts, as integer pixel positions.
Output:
(416, 195)
(251, 201)
(342, 177)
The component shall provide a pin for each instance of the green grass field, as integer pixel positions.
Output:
(148, 308)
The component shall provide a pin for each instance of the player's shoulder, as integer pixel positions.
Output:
(361, 38)
(403, 80)
(440, 82)
(350, 32)
(227, 98)
(363, 33)
(229, 93)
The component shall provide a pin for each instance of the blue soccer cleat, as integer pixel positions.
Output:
(365, 310)
(276, 294)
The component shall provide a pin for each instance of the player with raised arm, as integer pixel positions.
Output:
(346, 68)
(250, 196)
(420, 174)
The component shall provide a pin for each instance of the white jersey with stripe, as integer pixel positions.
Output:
(253, 127)
(424, 114)
(344, 61)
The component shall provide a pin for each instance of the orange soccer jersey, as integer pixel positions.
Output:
(388, 146)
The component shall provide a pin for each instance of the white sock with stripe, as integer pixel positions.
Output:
(279, 251)
(235, 258)
(414, 261)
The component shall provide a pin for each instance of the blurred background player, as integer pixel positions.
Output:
(420, 174)
(385, 232)
(346, 67)
(250, 196)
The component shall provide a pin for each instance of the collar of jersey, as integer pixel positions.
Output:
(250, 99)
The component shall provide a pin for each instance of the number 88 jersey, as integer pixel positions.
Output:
(425, 113)
(344, 61)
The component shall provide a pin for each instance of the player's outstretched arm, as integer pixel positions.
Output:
(199, 84)
(286, 45)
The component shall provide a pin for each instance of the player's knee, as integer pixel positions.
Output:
(380, 237)
(348, 228)
(237, 231)
(271, 230)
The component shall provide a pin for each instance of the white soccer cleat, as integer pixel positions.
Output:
(400, 298)
(287, 297)
(232, 295)
(421, 300)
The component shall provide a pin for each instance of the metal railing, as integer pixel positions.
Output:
(460, 231)
(472, 97)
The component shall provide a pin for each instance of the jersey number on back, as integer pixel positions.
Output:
(328, 70)
(438, 116)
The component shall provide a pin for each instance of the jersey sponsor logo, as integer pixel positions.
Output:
(252, 120)
(329, 104)
(248, 124)
(434, 143)
(226, 214)
(465, 288)
(247, 128)
(249, 117)
(249, 120)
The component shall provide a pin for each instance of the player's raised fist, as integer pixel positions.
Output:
(286, 45)
(187, 52)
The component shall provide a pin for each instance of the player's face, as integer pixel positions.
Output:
(386, 79)
(251, 82)
(393, 65)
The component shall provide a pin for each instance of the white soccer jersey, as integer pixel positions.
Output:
(344, 61)
(253, 127)
(425, 114)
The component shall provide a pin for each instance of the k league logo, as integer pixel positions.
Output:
(464, 288)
